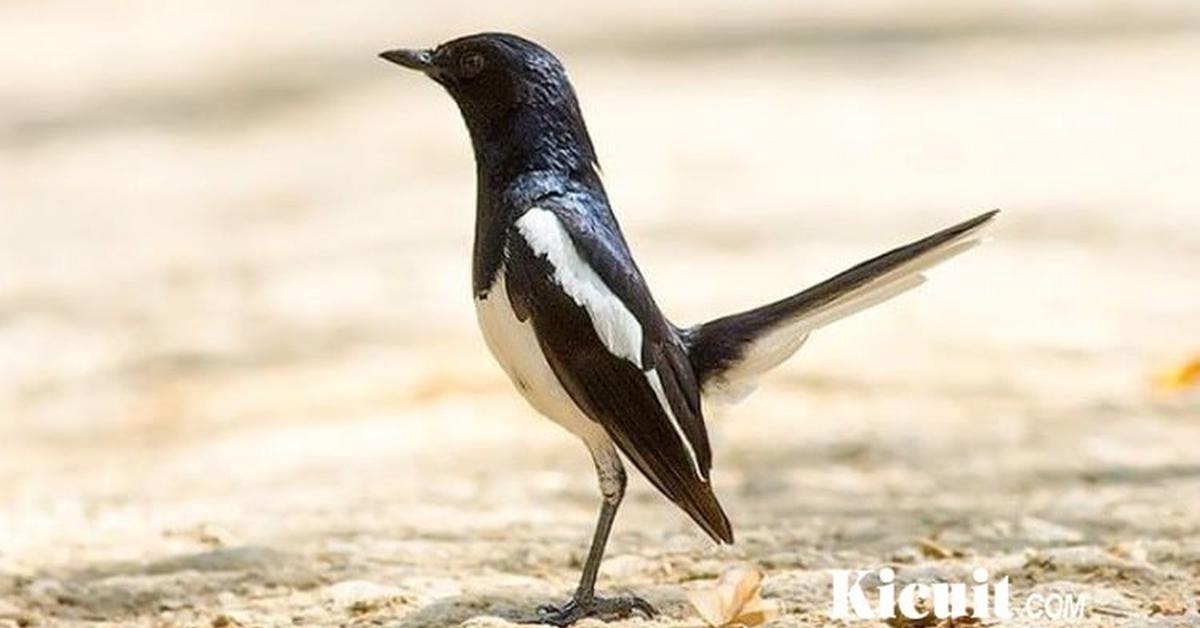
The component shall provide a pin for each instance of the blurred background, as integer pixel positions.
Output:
(241, 381)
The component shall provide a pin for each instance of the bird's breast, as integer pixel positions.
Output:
(515, 346)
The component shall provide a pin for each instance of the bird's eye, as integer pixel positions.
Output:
(471, 65)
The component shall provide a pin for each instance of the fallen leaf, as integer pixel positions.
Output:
(229, 620)
(1179, 377)
(933, 549)
(734, 601)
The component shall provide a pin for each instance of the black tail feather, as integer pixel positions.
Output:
(715, 346)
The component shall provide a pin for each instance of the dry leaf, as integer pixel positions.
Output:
(734, 601)
(1180, 377)
(229, 620)
(932, 549)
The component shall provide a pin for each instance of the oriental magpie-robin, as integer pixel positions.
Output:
(566, 312)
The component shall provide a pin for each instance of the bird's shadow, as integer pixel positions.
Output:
(128, 589)
(517, 608)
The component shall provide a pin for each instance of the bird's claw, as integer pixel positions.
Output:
(604, 608)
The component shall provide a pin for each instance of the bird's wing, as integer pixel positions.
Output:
(569, 273)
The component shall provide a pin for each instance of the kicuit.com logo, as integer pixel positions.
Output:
(979, 599)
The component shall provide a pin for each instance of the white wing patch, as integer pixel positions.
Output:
(616, 326)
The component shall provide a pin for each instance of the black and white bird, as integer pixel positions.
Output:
(566, 312)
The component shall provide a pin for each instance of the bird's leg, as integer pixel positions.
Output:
(585, 603)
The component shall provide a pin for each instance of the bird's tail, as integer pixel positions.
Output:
(730, 353)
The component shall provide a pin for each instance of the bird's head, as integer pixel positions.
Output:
(510, 90)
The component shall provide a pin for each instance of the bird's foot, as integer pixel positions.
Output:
(604, 608)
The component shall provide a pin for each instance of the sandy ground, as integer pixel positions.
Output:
(241, 384)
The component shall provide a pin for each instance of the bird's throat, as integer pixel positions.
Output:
(529, 154)
(531, 139)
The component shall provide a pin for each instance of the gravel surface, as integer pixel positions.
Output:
(241, 384)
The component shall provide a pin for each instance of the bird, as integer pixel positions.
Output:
(565, 310)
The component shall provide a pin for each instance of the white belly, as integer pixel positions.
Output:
(515, 347)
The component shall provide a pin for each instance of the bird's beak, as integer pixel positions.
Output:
(413, 59)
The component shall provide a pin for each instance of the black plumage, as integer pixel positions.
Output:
(611, 390)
